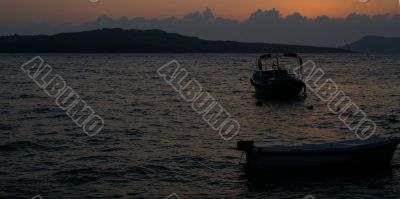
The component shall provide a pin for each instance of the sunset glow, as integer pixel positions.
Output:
(84, 10)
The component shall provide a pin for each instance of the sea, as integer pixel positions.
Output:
(155, 145)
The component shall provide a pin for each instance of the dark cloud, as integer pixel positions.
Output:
(262, 26)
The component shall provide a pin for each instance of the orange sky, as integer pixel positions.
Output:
(74, 11)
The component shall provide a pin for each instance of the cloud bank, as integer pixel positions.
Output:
(262, 26)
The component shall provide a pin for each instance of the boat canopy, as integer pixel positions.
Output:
(270, 56)
(266, 57)
(290, 55)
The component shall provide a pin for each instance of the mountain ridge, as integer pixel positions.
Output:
(375, 44)
(117, 40)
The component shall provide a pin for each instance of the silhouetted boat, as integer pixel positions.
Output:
(277, 81)
(345, 156)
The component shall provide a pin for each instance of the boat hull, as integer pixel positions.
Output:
(278, 90)
(349, 160)
(276, 84)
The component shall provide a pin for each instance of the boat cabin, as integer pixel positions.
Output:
(278, 64)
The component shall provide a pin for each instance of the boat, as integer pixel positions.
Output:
(278, 81)
(343, 156)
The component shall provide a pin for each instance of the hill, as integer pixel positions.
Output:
(375, 44)
(139, 41)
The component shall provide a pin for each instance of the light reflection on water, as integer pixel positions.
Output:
(153, 144)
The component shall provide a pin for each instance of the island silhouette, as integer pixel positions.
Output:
(116, 40)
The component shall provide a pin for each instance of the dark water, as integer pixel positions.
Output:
(153, 143)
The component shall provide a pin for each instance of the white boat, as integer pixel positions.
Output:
(345, 156)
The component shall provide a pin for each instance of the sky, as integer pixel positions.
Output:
(77, 11)
(330, 23)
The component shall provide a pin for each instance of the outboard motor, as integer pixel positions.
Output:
(245, 145)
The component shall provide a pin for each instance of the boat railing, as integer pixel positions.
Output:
(263, 65)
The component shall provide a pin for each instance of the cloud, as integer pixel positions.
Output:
(261, 26)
